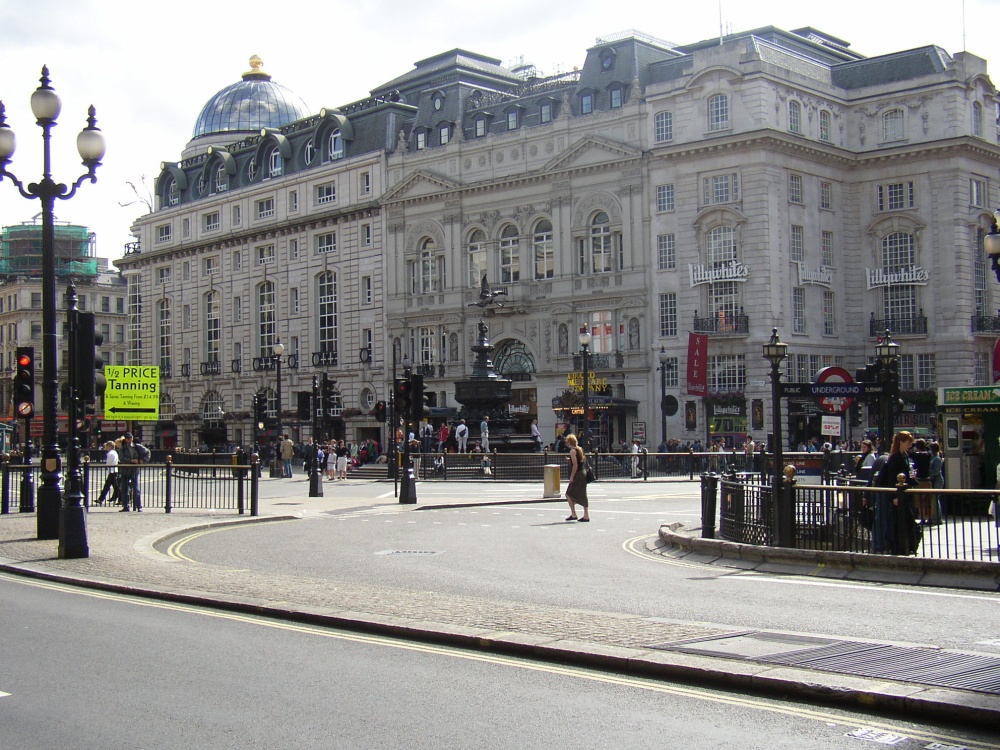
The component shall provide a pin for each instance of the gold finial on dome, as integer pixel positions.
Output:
(256, 69)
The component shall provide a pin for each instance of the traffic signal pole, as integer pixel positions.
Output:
(82, 353)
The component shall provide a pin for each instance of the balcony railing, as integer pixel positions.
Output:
(723, 324)
(597, 362)
(915, 325)
(986, 323)
(212, 367)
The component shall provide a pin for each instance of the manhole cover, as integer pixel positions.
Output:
(409, 552)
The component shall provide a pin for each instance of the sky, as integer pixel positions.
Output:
(148, 68)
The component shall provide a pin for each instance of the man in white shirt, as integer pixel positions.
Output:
(462, 436)
(484, 434)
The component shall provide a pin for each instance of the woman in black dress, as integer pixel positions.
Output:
(576, 492)
(896, 531)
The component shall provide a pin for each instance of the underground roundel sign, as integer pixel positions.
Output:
(832, 376)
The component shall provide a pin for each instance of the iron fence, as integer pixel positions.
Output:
(847, 517)
(164, 486)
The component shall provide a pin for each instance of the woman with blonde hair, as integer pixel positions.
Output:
(576, 492)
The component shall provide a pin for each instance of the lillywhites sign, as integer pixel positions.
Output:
(914, 275)
(710, 274)
(821, 276)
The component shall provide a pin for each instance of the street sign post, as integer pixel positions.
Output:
(133, 393)
(834, 403)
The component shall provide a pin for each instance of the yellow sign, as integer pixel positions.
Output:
(132, 393)
(575, 381)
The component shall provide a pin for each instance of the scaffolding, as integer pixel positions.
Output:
(21, 250)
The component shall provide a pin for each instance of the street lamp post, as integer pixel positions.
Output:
(887, 353)
(45, 106)
(783, 509)
(278, 349)
(991, 243)
(585, 339)
(665, 366)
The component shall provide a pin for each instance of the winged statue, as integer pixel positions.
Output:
(488, 296)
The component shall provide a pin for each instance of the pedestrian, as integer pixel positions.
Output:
(484, 434)
(635, 459)
(286, 451)
(536, 435)
(576, 491)
(896, 531)
(443, 437)
(341, 460)
(130, 456)
(462, 436)
(937, 481)
(111, 480)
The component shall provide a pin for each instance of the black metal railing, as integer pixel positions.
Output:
(723, 324)
(915, 325)
(212, 367)
(165, 486)
(986, 323)
(848, 517)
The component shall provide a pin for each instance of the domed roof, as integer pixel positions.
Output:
(254, 103)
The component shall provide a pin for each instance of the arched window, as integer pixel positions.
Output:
(510, 255)
(477, 257)
(252, 170)
(267, 328)
(893, 125)
(335, 145)
(164, 325)
(718, 112)
(663, 127)
(326, 288)
(794, 117)
(309, 152)
(213, 327)
(274, 163)
(221, 179)
(212, 408)
(563, 339)
(541, 243)
(173, 193)
(899, 301)
(824, 126)
(428, 261)
(977, 119)
(601, 249)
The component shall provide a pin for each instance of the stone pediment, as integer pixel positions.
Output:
(421, 183)
(591, 151)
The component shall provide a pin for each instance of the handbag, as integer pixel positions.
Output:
(588, 474)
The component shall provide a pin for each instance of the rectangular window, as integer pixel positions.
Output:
(825, 195)
(797, 244)
(162, 276)
(186, 316)
(443, 134)
(366, 290)
(718, 112)
(824, 126)
(212, 221)
(480, 127)
(293, 200)
(36, 300)
(326, 243)
(977, 192)
(512, 120)
(668, 314)
(366, 183)
(727, 373)
(799, 310)
(293, 249)
(163, 233)
(720, 188)
(210, 266)
(421, 141)
(186, 270)
(795, 188)
(829, 315)
(926, 372)
(616, 98)
(545, 112)
(663, 127)
(666, 252)
(265, 255)
(586, 104)
(237, 260)
(366, 235)
(293, 300)
(664, 197)
(237, 216)
(238, 309)
(186, 227)
(826, 243)
(265, 208)
(326, 193)
(895, 196)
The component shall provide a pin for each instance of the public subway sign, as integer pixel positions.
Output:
(819, 275)
(914, 276)
(733, 271)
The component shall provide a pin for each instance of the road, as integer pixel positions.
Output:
(87, 669)
(529, 553)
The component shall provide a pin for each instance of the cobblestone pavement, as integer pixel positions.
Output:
(122, 557)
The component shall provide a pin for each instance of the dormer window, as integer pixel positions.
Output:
(616, 98)
(309, 152)
(545, 112)
(173, 194)
(444, 134)
(274, 166)
(421, 140)
(512, 120)
(438, 102)
(336, 145)
(221, 179)
(480, 127)
(586, 104)
(608, 59)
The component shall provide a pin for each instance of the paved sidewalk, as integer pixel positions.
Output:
(122, 558)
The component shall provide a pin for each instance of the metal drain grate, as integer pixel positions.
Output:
(927, 666)
(414, 552)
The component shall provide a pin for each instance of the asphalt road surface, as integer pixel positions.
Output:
(86, 669)
(529, 553)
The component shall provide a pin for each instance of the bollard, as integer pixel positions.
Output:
(709, 502)
(254, 478)
(5, 493)
(168, 500)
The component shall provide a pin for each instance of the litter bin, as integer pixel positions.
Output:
(552, 481)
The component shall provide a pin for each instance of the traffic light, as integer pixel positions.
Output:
(89, 382)
(330, 397)
(402, 390)
(418, 399)
(303, 406)
(855, 412)
(24, 382)
(259, 409)
(379, 411)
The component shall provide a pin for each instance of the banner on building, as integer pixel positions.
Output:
(697, 372)
(996, 361)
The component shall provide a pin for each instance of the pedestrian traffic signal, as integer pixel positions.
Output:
(24, 382)
(87, 360)
(418, 406)
(402, 391)
(379, 411)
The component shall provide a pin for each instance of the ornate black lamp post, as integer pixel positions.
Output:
(585, 339)
(887, 353)
(45, 106)
(278, 349)
(775, 352)
(666, 365)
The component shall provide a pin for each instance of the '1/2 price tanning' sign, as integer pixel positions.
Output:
(132, 393)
